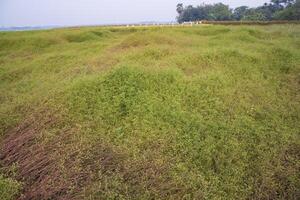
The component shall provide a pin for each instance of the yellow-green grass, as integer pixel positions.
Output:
(206, 112)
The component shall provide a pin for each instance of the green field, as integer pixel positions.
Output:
(206, 112)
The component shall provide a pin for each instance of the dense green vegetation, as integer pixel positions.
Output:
(205, 112)
(8, 188)
(275, 10)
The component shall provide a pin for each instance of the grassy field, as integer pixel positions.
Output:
(206, 112)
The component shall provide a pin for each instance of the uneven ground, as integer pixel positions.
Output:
(207, 112)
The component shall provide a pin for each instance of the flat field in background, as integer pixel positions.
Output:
(205, 112)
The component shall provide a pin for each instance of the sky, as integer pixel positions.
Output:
(95, 12)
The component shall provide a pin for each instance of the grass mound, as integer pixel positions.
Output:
(82, 37)
(125, 93)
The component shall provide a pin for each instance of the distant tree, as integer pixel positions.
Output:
(220, 12)
(240, 12)
(275, 9)
(254, 15)
(217, 11)
(204, 11)
(291, 12)
(283, 3)
(190, 13)
(180, 8)
(267, 11)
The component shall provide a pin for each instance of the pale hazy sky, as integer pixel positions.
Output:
(87, 12)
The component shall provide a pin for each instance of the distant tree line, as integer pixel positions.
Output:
(275, 10)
